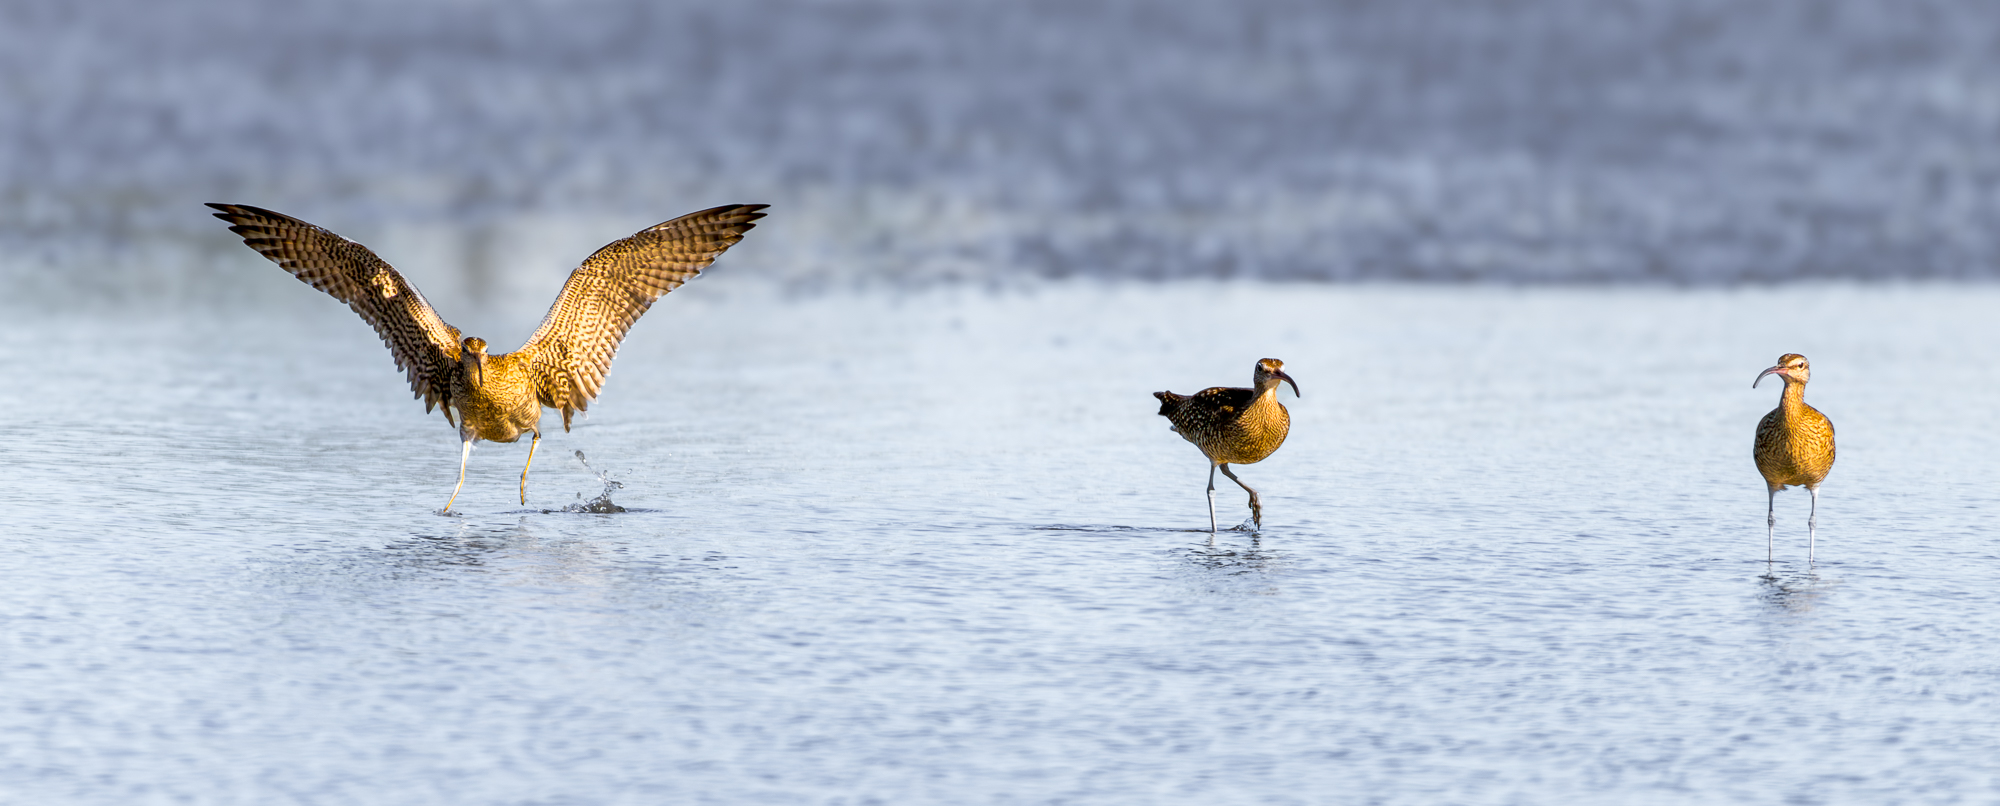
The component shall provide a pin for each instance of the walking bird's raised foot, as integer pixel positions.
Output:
(562, 366)
(1233, 426)
(1794, 447)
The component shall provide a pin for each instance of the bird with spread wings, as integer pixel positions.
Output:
(562, 366)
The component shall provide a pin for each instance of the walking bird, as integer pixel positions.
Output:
(562, 366)
(1233, 426)
(1794, 446)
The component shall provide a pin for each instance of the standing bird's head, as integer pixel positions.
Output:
(472, 359)
(1791, 366)
(1269, 372)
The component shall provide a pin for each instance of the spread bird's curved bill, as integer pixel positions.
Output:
(1772, 371)
(1280, 375)
(478, 368)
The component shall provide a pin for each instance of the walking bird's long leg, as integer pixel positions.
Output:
(1812, 522)
(1211, 499)
(1256, 509)
(462, 456)
(531, 463)
(1770, 526)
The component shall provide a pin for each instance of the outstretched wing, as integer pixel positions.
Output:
(572, 350)
(426, 348)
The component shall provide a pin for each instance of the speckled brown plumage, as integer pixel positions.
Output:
(1794, 445)
(562, 366)
(1233, 425)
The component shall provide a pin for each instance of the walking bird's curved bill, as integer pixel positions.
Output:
(1280, 375)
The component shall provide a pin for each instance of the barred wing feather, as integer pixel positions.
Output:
(572, 350)
(425, 348)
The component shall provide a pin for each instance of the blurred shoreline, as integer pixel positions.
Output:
(1570, 142)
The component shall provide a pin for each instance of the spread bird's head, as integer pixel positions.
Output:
(1270, 371)
(1791, 366)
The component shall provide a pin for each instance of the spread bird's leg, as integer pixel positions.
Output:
(462, 456)
(1256, 509)
(531, 463)
(1211, 499)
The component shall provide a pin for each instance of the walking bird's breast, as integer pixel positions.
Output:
(498, 404)
(1233, 426)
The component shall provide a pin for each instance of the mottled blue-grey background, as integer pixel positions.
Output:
(1682, 141)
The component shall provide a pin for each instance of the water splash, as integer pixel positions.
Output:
(600, 505)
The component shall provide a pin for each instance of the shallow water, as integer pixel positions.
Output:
(937, 547)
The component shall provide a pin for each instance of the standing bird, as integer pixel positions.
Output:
(1794, 446)
(562, 366)
(1233, 426)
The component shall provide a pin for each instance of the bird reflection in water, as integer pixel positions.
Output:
(467, 547)
(1230, 571)
(523, 554)
(531, 556)
(1794, 593)
(1253, 558)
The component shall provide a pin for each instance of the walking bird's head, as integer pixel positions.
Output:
(1791, 366)
(1269, 372)
(472, 358)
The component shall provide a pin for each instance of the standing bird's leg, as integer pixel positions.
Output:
(531, 463)
(1794, 445)
(1256, 509)
(1211, 499)
(462, 456)
(1812, 521)
(1770, 526)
